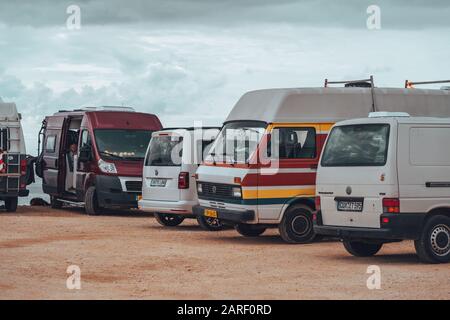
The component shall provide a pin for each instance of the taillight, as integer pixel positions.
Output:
(318, 206)
(391, 205)
(23, 167)
(183, 180)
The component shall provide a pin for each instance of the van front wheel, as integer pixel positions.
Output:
(91, 202)
(297, 224)
(11, 204)
(434, 243)
(249, 230)
(210, 224)
(362, 249)
(168, 220)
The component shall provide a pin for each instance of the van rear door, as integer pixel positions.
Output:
(53, 160)
(356, 174)
(162, 167)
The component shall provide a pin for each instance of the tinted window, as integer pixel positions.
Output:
(165, 151)
(357, 145)
(4, 139)
(297, 143)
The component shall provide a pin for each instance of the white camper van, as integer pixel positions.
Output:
(13, 163)
(169, 184)
(387, 178)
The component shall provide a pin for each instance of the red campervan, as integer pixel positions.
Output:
(95, 156)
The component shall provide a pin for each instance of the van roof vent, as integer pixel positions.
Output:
(109, 108)
(384, 114)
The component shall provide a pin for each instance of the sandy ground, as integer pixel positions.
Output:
(129, 256)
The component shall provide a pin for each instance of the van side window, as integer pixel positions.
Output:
(50, 143)
(297, 143)
(4, 138)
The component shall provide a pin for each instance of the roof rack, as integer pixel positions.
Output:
(411, 84)
(357, 83)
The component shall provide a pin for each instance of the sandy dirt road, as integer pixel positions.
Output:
(129, 256)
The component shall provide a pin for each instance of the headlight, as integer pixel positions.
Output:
(199, 188)
(237, 193)
(106, 167)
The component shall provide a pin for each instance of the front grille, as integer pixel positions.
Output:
(216, 190)
(133, 186)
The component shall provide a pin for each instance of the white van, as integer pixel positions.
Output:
(14, 169)
(387, 178)
(169, 184)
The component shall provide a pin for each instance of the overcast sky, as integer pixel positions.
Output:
(192, 59)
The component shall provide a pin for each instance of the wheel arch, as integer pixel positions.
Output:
(299, 200)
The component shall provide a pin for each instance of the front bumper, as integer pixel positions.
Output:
(175, 207)
(232, 216)
(110, 194)
(401, 226)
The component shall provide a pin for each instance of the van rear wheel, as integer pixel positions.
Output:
(362, 249)
(297, 224)
(249, 230)
(11, 204)
(434, 243)
(168, 220)
(91, 202)
(55, 203)
(210, 224)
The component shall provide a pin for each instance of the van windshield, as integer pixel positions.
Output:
(237, 141)
(357, 145)
(126, 144)
(165, 150)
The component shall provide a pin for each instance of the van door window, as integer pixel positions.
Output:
(297, 143)
(85, 139)
(50, 143)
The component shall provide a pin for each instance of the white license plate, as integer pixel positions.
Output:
(158, 182)
(354, 206)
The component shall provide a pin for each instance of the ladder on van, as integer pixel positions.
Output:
(367, 83)
(411, 84)
(10, 144)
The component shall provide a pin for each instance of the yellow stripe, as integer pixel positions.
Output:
(277, 193)
(318, 126)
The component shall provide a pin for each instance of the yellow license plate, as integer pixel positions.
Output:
(210, 213)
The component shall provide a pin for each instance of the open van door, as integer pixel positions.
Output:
(52, 160)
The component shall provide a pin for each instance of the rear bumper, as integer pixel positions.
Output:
(110, 193)
(401, 226)
(175, 207)
(232, 216)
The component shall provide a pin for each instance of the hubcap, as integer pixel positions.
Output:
(440, 240)
(300, 225)
(213, 222)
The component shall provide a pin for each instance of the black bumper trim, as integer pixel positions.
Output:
(227, 215)
(401, 226)
(110, 194)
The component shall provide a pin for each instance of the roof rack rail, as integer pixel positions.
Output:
(411, 84)
(367, 83)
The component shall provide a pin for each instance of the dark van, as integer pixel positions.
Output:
(94, 156)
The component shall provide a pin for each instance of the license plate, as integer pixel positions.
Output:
(354, 206)
(158, 182)
(210, 213)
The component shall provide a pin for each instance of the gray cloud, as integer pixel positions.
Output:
(320, 13)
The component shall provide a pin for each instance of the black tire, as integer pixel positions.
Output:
(11, 204)
(210, 224)
(55, 203)
(362, 249)
(249, 230)
(168, 220)
(91, 203)
(297, 224)
(434, 243)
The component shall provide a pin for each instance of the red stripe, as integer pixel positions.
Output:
(279, 179)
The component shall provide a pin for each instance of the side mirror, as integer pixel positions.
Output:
(85, 154)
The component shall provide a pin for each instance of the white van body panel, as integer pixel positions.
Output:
(424, 157)
(171, 199)
(370, 183)
(10, 118)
